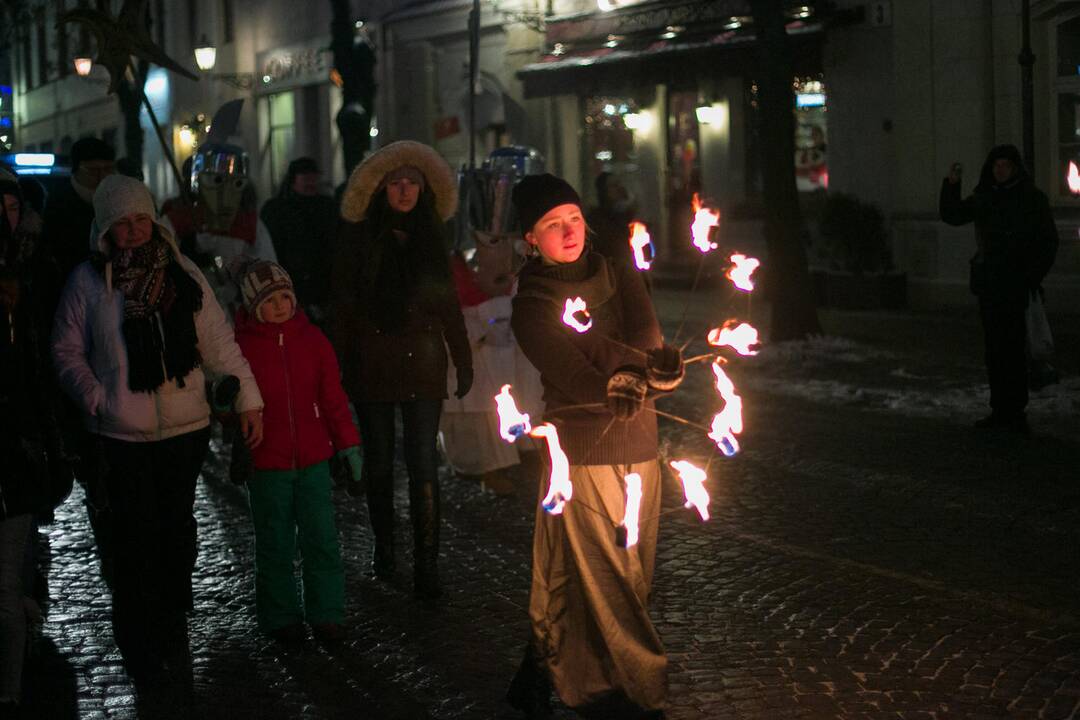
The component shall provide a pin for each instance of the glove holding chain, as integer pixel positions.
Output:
(664, 369)
(626, 391)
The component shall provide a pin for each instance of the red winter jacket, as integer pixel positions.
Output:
(306, 418)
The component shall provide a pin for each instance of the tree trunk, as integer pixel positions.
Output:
(794, 313)
(129, 97)
(355, 62)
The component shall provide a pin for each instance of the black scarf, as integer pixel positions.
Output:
(160, 302)
(408, 266)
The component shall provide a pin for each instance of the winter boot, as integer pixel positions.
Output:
(424, 501)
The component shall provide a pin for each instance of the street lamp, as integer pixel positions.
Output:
(205, 55)
(83, 66)
(206, 59)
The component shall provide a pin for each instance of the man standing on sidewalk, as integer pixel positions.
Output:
(1017, 241)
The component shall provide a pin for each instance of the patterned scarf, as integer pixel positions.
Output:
(160, 302)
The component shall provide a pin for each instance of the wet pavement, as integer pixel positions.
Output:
(870, 555)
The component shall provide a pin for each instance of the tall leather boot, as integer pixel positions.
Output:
(380, 497)
(424, 509)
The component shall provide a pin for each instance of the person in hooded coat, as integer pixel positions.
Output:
(137, 331)
(1016, 244)
(394, 312)
(302, 221)
(591, 637)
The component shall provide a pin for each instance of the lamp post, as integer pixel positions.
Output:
(1027, 83)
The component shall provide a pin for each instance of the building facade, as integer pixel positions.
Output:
(275, 54)
(887, 95)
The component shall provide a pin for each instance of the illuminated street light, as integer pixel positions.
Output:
(205, 55)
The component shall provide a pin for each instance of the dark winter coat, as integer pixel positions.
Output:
(35, 474)
(66, 232)
(302, 229)
(406, 360)
(575, 367)
(306, 417)
(1015, 231)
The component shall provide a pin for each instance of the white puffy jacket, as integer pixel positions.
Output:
(91, 362)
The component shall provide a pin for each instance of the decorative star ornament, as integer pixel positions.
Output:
(121, 37)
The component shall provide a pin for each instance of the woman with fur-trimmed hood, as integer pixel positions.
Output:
(395, 311)
(136, 328)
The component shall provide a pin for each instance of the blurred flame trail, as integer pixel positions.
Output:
(693, 481)
(573, 307)
(728, 422)
(639, 240)
(512, 423)
(633, 508)
(740, 272)
(742, 338)
(705, 219)
(560, 490)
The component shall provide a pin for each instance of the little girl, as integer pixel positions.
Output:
(306, 421)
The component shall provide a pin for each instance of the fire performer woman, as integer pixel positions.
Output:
(591, 634)
(394, 311)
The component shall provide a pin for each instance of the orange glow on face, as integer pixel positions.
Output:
(573, 309)
(512, 423)
(560, 490)
(740, 271)
(705, 219)
(742, 338)
(693, 482)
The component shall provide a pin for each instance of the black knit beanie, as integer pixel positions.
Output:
(90, 148)
(535, 195)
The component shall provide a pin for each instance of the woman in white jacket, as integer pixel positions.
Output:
(136, 328)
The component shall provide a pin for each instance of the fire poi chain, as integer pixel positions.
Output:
(726, 424)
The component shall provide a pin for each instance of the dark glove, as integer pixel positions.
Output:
(664, 369)
(626, 393)
(464, 382)
(354, 461)
(224, 394)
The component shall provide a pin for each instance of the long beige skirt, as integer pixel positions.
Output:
(588, 605)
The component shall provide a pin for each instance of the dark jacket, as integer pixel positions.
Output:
(408, 360)
(65, 236)
(575, 367)
(303, 232)
(1015, 232)
(35, 474)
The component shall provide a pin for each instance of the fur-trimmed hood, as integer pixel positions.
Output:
(368, 175)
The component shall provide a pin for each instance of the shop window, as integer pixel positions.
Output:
(1067, 113)
(811, 170)
(609, 135)
(683, 163)
(282, 134)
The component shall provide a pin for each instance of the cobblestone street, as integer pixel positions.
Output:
(870, 555)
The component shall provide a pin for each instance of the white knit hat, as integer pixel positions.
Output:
(117, 196)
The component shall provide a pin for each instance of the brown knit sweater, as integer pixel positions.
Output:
(575, 367)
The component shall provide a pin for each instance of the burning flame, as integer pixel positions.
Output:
(633, 508)
(1073, 178)
(560, 490)
(512, 423)
(742, 338)
(705, 219)
(740, 272)
(639, 240)
(693, 482)
(577, 305)
(728, 422)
